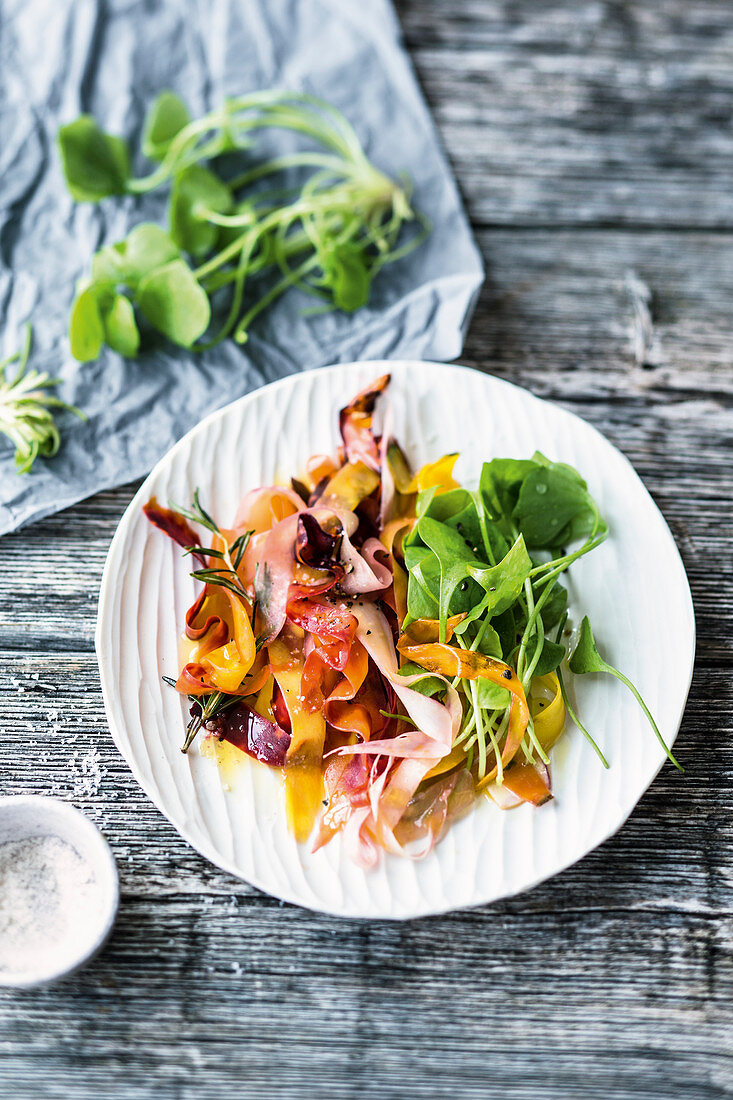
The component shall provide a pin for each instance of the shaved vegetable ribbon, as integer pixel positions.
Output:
(548, 715)
(302, 769)
(468, 665)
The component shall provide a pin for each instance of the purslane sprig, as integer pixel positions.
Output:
(26, 409)
(328, 236)
(586, 659)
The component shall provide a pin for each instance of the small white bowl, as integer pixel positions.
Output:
(25, 816)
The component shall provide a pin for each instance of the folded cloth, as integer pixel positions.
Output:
(59, 58)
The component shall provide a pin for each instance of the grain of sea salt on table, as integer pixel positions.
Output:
(49, 905)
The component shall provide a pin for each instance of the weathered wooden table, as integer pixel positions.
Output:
(594, 145)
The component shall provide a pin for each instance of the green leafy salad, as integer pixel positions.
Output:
(486, 565)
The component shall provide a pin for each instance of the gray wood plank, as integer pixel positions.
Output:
(582, 114)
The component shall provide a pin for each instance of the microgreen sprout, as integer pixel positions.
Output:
(26, 411)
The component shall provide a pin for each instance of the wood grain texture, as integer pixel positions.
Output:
(592, 141)
(587, 113)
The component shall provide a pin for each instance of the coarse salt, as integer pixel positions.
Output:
(50, 905)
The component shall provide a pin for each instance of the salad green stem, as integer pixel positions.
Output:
(240, 333)
(568, 706)
(574, 718)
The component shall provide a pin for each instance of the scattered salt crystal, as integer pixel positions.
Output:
(49, 905)
(92, 772)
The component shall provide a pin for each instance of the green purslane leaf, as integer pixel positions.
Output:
(100, 316)
(96, 165)
(144, 249)
(346, 272)
(167, 116)
(444, 507)
(549, 659)
(586, 659)
(423, 588)
(427, 685)
(120, 328)
(447, 544)
(465, 513)
(196, 192)
(504, 581)
(492, 696)
(495, 543)
(509, 625)
(109, 266)
(86, 327)
(456, 593)
(554, 507)
(173, 302)
(487, 640)
(500, 483)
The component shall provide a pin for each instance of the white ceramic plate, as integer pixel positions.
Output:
(634, 588)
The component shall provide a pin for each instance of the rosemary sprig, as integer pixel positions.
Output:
(226, 576)
(207, 706)
(204, 550)
(239, 547)
(218, 577)
(25, 409)
(197, 514)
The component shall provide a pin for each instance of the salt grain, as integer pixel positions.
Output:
(49, 905)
